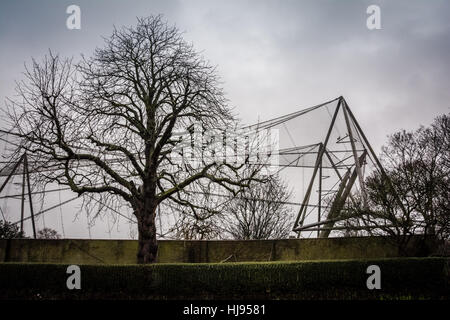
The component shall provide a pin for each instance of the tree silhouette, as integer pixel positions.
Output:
(9, 230)
(48, 233)
(108, 126)
(260, 212)
(418, 164)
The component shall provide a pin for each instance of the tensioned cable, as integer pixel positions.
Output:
(46, 191)
(3, 215)
(48, 209)
(213, 194)
(260, 126)
(110, 208)
(61, 215)
(35, 192)
(13, 143)
(275, 121)
(290, 150)
(255, 199)
(52, 167)
(289, 134)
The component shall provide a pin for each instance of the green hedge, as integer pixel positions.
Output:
(400, 278)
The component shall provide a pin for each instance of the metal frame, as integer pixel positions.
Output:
(347, 181)
(25, 178)
(354, 171)
(302, 213)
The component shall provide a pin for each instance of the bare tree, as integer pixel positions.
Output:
(9, 230)
(260, 212)
(48, 233)
(107, 126)
(418, 164)
(203, 224)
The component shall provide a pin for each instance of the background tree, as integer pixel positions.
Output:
(418, 164)
(10, 230)
(48, 233)
(203, 224)
(107, 126)
(260, 212)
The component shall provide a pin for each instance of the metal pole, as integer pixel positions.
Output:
(335, 205)
(320, 197)
(29, 194)
(11, 173)
(22, 208)
(305, 202)
(309, 226)
(380, 167)
(340, 199)
(159, 215)
(333, 165)
(349, 228)
(319, 158)
(355, 154)
(337, 172)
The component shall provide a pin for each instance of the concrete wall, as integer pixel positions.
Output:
(124, 251)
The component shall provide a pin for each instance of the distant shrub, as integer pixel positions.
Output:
(8, 230)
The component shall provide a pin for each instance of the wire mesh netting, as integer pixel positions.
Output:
(316, 149)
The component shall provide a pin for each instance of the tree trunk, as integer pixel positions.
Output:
(148, 246)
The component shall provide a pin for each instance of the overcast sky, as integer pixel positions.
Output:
(274, 57)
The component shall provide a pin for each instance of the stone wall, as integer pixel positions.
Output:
(173, 251)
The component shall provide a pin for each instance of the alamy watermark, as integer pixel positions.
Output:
(73, 21)
(374, 280)
(74, 280)
(373, 21)
(197, 147)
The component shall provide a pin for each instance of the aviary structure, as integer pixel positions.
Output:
(322, 147)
